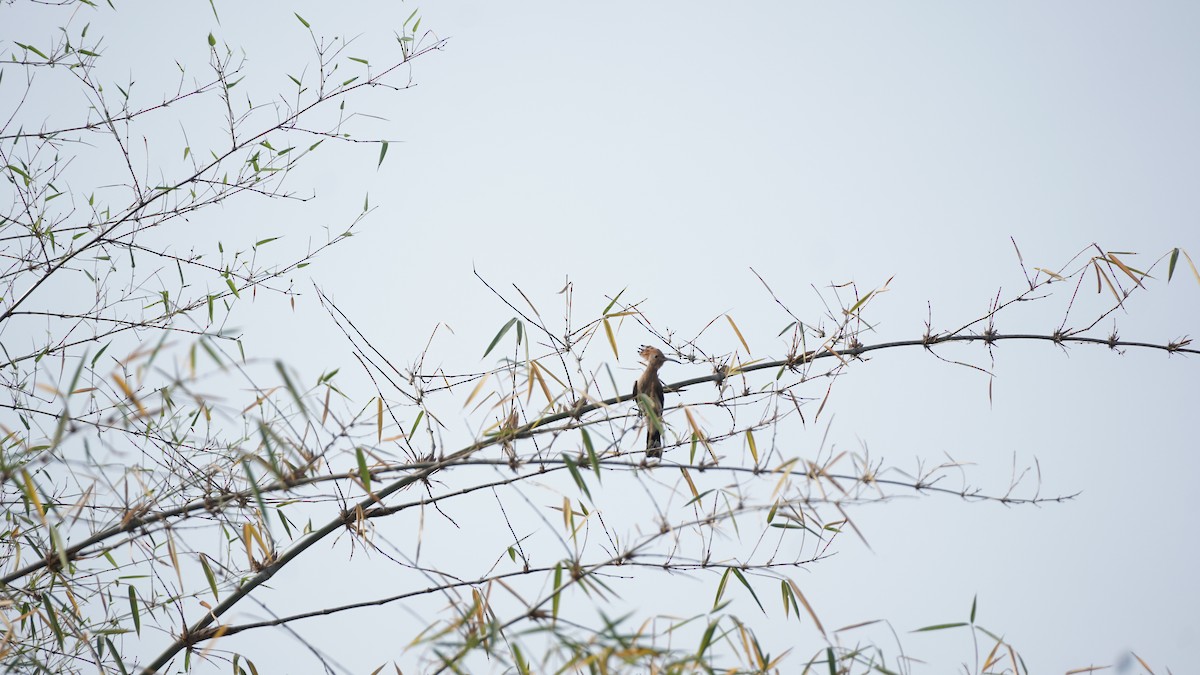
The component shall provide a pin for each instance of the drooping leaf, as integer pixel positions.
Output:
(499, 335)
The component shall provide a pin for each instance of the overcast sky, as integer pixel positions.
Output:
(666, 148)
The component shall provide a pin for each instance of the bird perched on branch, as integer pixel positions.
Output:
(648, 392)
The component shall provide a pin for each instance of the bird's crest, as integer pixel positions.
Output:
(650, 354)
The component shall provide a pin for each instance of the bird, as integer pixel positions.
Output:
(649, 385)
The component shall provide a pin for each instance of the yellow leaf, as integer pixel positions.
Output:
(612, 340)
(1104, 276)
(31, 492)
(536, 371)
(699, 433)
(128, 393)
(1113, 258)
(807, 607)
(174, 557)
(379, 419)
(739, 333)
(753, 447)
(246, 538)
(475, 392)
(688, 477)
(1191, 264)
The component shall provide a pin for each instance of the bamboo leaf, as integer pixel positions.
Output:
(558, 570)
(499, 335)
(612, 340)
(706, 640)
(789, 599)
(133, 609)
(475, 392)
(751, 443)
(860, 303)
(208, 574)
(1191, 264)
(614, 301)
(32, 494)
(591, 451)
(688, 477)
(738, 573)
(721, 587)
(363, 472)
(941, 626)
(739, 333)
(1112, 257)
(52, 618)
(382, 153)
(575, 475)
(807, 607)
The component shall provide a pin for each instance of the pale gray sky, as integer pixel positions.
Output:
(666, 148)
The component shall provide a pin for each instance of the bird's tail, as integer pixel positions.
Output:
(653, 442)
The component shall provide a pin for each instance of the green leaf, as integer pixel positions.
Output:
(265, 241)
(591, 451)
(1171, 264)
(706, 640)
(416, 423)
(859, 304)
(382, 153)
(53, 617)
(254, 489)
(738, 573)
(19, 171)
(940, 626)
(100, 353)
(33, 49)
(212, 41)
(302, 20)
(578, 478)
(721, 588)
(133, 609)
(614, 301)
(557, 589)
(208, 574)
(363, 472)
(499, 335)
(362, 61)
(789, 598)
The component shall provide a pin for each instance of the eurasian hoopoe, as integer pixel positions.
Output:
(652, 387)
